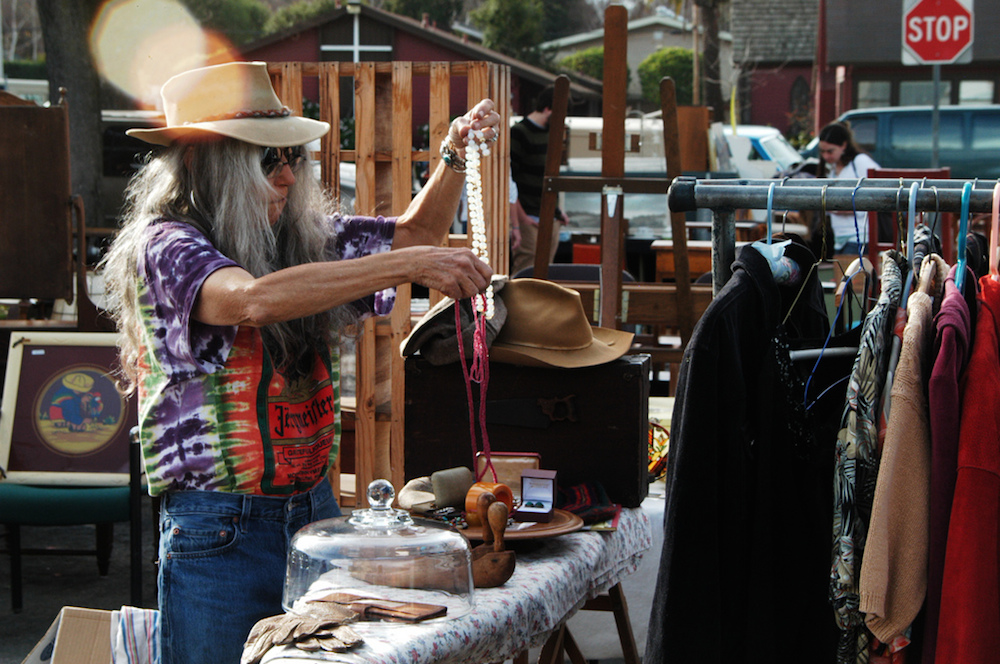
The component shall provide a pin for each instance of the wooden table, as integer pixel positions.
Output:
(550, 584)
(699, 258)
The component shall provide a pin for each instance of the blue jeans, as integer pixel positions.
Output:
(222, 567)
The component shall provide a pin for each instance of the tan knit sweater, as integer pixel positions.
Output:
(894, 570)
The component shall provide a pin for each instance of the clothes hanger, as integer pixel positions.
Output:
(783, 268)
(823, 351)
(937, 209)
(911, 227)
(963, 231)
(994, 270)
(854, 207)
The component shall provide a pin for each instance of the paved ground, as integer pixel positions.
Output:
(51, 582)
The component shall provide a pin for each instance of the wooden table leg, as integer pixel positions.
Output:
(615, 602)
(553, 649)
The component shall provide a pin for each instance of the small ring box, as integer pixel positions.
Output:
(538, 495)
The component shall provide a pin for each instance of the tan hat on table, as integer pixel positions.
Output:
(235, 99)
(547, 326)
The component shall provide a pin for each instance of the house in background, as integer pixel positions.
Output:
(774, 47)
(646, 36)
(861, 58)
(361, 33)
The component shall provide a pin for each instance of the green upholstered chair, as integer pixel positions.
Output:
(31, 505)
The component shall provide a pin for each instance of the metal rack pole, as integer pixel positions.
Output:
(724, 197)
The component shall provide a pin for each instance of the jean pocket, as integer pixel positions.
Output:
(199, 534)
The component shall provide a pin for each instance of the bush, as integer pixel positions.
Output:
(590, 62)
(675, 62)
(26, 69)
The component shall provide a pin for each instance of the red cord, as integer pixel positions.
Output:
(479, 373)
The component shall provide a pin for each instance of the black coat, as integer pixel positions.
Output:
(745, 564)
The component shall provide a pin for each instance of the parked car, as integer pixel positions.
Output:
(901, 137)
(769, 151)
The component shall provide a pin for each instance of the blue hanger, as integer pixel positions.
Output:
(770, 209)
(783, 268)
(995, 232)
(911, 226)
(854, 207)
(963, 231)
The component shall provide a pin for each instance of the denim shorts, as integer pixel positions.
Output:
(222, 567)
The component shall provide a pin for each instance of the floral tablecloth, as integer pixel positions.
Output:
(549, 584)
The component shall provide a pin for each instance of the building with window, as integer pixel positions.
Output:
(362, 33)
(863, 64)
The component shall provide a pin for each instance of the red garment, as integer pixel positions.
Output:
(969, 627)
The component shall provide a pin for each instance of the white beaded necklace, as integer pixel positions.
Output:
(478, 147)
(483, 307)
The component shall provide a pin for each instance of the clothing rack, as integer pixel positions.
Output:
(724, 197)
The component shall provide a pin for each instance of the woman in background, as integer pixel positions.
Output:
(845, 161)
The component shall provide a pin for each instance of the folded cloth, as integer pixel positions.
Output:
(589, 501)
(451, 486)
(135, 636)
(417, 495)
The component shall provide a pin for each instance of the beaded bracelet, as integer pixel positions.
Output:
(450, 156)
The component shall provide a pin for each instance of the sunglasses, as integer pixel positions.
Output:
(274, 159)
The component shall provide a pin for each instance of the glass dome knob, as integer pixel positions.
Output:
(381, 515)
(380, 494)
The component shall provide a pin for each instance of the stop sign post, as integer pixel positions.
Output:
(937, 31)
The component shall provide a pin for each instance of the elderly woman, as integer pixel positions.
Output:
(230, 280)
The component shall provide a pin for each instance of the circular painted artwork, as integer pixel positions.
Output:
(79, 411)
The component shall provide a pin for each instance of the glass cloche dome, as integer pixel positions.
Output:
(382, 563)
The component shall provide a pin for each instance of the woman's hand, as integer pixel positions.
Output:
(456, 272)
(482, 117)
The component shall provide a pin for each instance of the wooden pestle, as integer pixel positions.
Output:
(497, 514)
(483, 503)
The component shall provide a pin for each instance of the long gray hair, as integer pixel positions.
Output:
(220, 188)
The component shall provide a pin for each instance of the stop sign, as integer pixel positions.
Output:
(937, 31)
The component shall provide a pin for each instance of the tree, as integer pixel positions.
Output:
(297, 12)
(512, 27)
(569, 17)
(21, 33)
(590, 62)
(65, 28)
(675, 62)
(711, 73)
(441, 12)
(241, 21)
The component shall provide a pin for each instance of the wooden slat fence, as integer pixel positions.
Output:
(384, 159)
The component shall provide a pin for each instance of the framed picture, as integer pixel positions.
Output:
(62, 419)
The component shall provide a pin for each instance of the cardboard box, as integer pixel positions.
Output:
(76, 636)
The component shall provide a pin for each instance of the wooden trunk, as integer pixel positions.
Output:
(589, 424)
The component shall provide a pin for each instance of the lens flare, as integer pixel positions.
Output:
(139, 44)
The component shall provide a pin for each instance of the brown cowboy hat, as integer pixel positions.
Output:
(547, 326)
(233, 99)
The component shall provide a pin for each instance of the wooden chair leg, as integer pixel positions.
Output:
(105, 542)
(14, 549)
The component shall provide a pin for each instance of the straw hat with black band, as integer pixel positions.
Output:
(233, 99)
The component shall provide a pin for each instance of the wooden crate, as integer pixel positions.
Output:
(384, 158)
